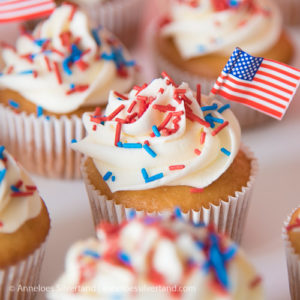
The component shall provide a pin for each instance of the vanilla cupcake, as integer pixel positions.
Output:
(24, 226)
(151, 258)
(162, 146)
(197, 38)
(291, 236)
(122, 17)
(54, 75)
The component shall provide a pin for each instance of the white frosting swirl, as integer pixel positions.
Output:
(177, 148)
(253, 25)
(15, 210)
(93, 73)
(141, 258)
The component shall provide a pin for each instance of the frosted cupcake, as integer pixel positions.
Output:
(24, 226)
(162, 146)
(149, 258)
(54, 75)
(196, 40)
(122, 17)
(291, 236)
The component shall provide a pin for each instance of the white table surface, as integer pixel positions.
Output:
(276, 193)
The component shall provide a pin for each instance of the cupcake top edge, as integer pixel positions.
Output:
(19, 198)
(64, 64)
(161, 134)
(141, 255)
(203, 27)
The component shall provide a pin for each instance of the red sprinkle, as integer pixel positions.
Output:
(180, 91)
(195, 118)
(47, 61)
(255, 282)
(118, 133)
(10, 70)
(27, 57)
(186, 99)
(147, 142)
(196, 190)
(94, 127)
(170, 80)
(120, 95)
(218, 129)
(21, 194)
(165, 121)
(73, 11)
(164, 108)
(97, 111)
(115, 112)
(130, 108)
(19, 184)
(197, 151)
(202, 137)
(57, 73)
(1, 224)
(31, 188)
(58, 52)
(176, 167)
(161, 90)
(199, 94)
(82, 65)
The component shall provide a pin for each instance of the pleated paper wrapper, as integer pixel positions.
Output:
(122, 17)
(42, 145)
(19, 282)
(229, 216)
(293, 262)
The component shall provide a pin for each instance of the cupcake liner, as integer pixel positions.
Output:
(42, 144)
(290, 10)
(122, 17)
(246, 116)
(19, 282)
(228, 217)
(293, 262)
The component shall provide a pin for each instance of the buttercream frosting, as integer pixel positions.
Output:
(150, 258)
(204, 27)
(160, 135)
(65, 65)
(19, 199)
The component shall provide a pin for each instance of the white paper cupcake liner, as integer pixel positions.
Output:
(122, 17)
(293, 262)
(17, 282)
(42, 145)
(229, 216)
(290, 10)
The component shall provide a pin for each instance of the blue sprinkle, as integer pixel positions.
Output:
(200, 245)
(132, 145)
(14, 189)
(225, 151)
(65, 65)
(156, 131)
(208, 118)
(209, 107)
(233, 2)
(48, 118)
(107, 176)
(26, 72)
(145, 174)
(120, 99)
(40, 42)
(13, 103)
(155, 177)
(96, 37)
(177, 213)
(102, 123)
(216, 120)
(124, 258)
(201, 48)
(76, 53)
(120, 144)
(74, 141)
(1, 74)
(39, 111)
(91, 253)
(149, 150)
(106, 56)
(230, 253)
(113, 178)
(130, 63)
(199, 225)
(132, 214)
(2, 174)
(148, 220)
(2, 148)
(223, 108)
(72, 86)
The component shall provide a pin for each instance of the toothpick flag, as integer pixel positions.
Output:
(262, 84)
(20, 10)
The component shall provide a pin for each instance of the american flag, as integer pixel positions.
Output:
(263, 84)
(19, 10)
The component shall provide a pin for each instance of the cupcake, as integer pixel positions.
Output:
(52, 76)
(151, 258)
(122, 17)
(24, 226)
(196, 39)
(163, 146)
(291, 236)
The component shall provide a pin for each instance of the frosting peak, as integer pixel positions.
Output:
(160, 135)
(204, 27)
(19, 199)
(64, 64)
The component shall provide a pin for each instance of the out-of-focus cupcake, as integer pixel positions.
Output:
(24, 226)
(291, 236)
(54, 75)
(195, 41)
(290, 10)
(122, 17)
(157, 149)
(151, 258)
